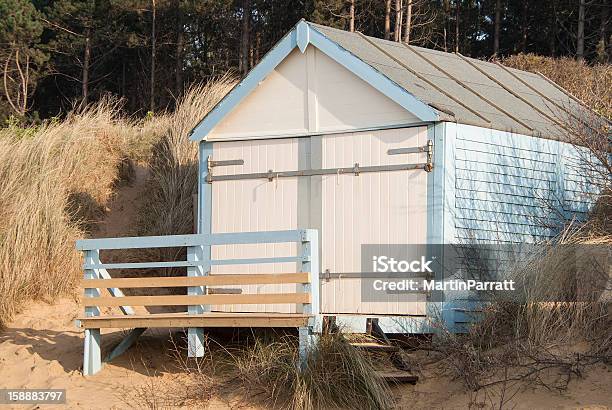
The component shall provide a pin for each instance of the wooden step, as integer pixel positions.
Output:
(397, 376)
(373, 346)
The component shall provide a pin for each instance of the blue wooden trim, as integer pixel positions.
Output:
(195, 263)
(435, 186)
(310, 264)
(303, 35)
(92, 257)
(300, 36)
(139, 242)
(445, 309)
(435, 225)
(143, 265)
(195, 335)
(125, 344)
(204, 190)
(171, 241)
(282, 259)
(449, 213)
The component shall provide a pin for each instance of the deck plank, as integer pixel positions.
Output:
(186, 300)
(209, 319)
(209, 280)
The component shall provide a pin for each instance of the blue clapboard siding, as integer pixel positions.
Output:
(500, 187)
(581, 183)
(513, 188)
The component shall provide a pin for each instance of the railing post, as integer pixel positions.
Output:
(92, 357)
(310, 264)
(195, 335)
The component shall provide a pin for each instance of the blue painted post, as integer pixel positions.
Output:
(92, 357)
(310, 264)
(195, 335)
(201, 253)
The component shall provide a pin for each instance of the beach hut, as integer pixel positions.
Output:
(333, 142)
(370, 141)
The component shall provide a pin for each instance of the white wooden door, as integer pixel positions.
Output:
(251, 205)
(372, 208)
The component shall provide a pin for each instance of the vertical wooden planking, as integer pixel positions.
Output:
(384, 207)
(318, 95)
(259, 205)
(312, 105)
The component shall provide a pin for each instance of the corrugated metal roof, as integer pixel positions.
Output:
(464, 89)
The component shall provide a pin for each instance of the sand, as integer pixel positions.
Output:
(42, 348)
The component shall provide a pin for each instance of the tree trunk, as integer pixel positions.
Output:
(497, 27)
(398, 21)
(446, 7)
(580, 34)
(352, 16)
(246, 35)
(457, 13)
(123, 93)
(178, 79)
(85, 71)
(552, 40)
(524, 27)
(387, 19)
(603, 31)
(153, 54)
(257, 47)
(408, 27)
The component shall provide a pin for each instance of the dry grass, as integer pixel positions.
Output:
(168, 204)
(174, 166)
(263, 372)
(55, 181)
(561, 325)
(336, 376)
(590, 84)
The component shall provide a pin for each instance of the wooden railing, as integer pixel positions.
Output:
(197, 299)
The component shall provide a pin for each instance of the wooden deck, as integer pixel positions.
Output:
(198, 299)
(185, 320)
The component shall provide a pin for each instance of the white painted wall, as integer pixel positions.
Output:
(309, 93)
